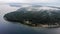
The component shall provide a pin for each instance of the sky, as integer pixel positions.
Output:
(29, 1)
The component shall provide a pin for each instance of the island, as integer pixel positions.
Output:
(36, 16)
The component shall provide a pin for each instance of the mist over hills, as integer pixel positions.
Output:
(34, 4)
(36, 15)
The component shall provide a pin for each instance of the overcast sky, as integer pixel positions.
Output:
(30, 1)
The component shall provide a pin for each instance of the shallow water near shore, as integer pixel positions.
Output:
(7, 27)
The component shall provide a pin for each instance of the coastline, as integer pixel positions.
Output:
(41, 25)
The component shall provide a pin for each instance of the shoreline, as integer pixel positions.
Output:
(28, 23)
(41, 25)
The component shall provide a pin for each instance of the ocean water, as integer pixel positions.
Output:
(7, 27)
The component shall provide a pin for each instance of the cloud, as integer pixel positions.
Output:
(30, 1)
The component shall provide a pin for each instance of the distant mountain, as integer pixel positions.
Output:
(14, 4)
(33, 4)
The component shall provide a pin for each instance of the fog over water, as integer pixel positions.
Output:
(7, 27)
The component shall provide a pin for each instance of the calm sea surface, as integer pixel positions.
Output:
(17, 28)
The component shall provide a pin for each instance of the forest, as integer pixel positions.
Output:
(36, 17)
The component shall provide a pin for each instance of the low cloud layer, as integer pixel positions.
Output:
(31, 1)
